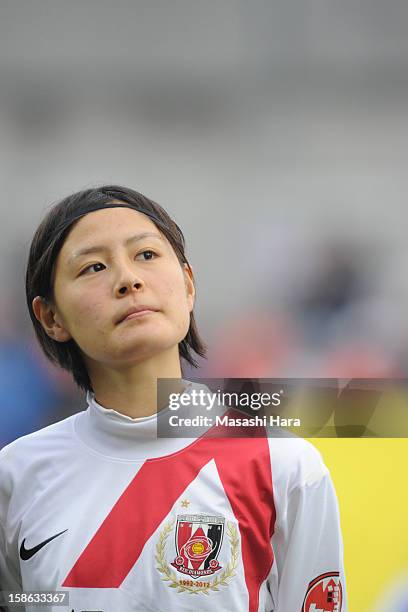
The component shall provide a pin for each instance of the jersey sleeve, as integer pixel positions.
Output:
(10, 577)
(308, 570)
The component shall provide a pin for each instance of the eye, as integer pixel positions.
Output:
(91, 266)
(148, 254)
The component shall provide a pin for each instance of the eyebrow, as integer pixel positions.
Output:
(97, 248)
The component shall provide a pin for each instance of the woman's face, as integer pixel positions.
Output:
(114, 260)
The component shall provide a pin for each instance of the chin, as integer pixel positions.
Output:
(136, 352)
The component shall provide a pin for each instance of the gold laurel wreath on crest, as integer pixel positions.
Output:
(170, 575)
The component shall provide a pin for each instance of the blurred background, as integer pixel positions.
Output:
(275, 134)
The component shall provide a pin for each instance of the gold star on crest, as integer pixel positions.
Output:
(185, 503)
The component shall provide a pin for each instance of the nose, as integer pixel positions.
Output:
(128, 280)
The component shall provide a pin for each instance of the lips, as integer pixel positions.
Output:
(137, 311)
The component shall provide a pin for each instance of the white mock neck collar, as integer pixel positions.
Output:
(109, 419)
(118, 436)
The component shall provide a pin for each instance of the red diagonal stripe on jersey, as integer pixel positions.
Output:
(245, 472)
(247, 481)
(137, 514)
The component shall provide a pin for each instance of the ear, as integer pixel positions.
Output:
(51, 322)
(190, 288)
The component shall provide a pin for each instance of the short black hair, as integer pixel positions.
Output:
(47, 243)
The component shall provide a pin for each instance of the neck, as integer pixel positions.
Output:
(132, 389)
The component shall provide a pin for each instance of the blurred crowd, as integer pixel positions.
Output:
(327, 312)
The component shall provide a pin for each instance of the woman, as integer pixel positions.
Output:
(97, 505)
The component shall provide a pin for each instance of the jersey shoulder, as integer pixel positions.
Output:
(29, 461)
(295, 462)
(43, 441)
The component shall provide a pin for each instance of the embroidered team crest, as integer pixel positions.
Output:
(324, 594)
(198, 542)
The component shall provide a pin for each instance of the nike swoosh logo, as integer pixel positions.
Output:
(27, 553)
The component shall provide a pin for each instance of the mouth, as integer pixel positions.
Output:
(136, 313)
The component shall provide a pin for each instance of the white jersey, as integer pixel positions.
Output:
(98, 507)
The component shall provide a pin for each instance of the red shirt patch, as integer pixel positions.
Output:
(324, 594)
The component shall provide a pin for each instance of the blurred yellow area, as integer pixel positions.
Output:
(371, 484)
